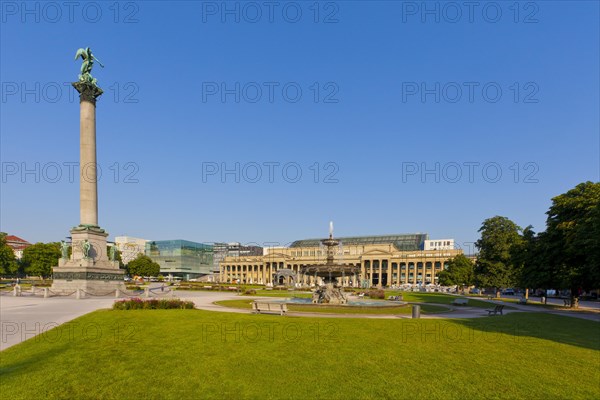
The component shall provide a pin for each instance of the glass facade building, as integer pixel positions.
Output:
(403, 242)
(181, 258)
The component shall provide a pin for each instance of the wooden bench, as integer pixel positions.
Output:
(566, 302)
(460, 302)
(522, 300)
(495, 311)
(232, 288)
(260, 307)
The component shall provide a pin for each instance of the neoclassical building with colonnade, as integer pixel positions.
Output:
(386, 260)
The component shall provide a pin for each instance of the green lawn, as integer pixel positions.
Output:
(391, 309)
(185, 354)
(440, 298)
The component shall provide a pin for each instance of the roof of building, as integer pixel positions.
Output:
(408, 241)
(16, 243)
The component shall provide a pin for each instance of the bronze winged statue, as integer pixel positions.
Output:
(87, 65)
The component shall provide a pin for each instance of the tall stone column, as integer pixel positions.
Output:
(88, 268)
(88, 189)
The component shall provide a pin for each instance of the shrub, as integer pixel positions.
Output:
(377, 294)
(152, 304)
(250, 291)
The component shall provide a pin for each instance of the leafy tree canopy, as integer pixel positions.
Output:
(38, 259)
(143, 265)
(8, 261)
(460, 272)
(496, 267)
(572, 237)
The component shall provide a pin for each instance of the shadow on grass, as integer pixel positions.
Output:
(28, 364)
(523, 326)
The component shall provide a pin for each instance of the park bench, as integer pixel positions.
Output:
(567, 302)
(522, 300)
(495, 311)
(260, 307)
(460, 302)
(232, 288)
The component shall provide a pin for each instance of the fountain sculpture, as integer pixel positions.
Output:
(330, 292)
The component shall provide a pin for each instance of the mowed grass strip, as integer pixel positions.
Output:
(440, 298)
(319, 308)
(185, 354)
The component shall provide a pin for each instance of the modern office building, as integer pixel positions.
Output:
(181, 258)
(439, 244)
(390, 260)
(130, 247)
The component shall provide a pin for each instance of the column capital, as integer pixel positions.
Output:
(87, 91)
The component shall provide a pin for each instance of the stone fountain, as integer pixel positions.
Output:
(329, 272)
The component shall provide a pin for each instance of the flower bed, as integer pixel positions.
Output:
(152, 304)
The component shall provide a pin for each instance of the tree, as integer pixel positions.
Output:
(38, 259)
(571, 238)
(532, 261)
(460, 272)
(498, 245)
(8, 261)
(143, 265)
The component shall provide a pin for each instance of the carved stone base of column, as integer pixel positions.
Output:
(92, 281)
(92, 272)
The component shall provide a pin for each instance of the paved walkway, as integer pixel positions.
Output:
(24, 317)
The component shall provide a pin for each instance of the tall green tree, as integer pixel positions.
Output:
(460, 272)
(573, 239)
(532, 259)
(38, 259)
(8, 261)
(143, 265)
(496, 265)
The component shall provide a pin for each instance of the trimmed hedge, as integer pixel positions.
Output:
(376, 294)
(152, 304)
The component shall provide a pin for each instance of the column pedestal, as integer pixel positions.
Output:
(95, 274)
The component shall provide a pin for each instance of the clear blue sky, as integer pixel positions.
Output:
(160, 120)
